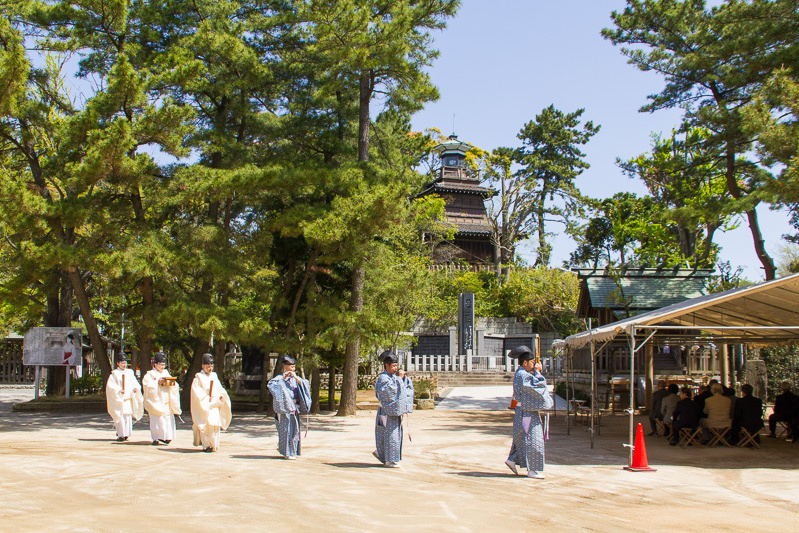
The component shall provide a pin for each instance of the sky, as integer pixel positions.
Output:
(502, 61)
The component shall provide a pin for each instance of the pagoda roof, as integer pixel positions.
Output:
(461, 187)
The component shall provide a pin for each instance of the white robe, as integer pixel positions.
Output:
(162, 403)
(122, 403)
(210, 410)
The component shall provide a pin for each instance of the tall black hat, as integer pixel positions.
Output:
(522, 353)
(287, 360)
(159, 357)
(388, 358)
(119, 357)
(208, 359)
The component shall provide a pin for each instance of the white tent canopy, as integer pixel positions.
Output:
(757, 314)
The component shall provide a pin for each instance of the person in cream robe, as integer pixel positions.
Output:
(162, 401)
(210, 406)
(123, 398)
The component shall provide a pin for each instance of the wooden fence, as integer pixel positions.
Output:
(11, 368)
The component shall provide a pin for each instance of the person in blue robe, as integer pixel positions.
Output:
(291, 397)
(530, 391)
(394, 391)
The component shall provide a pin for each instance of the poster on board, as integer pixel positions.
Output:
(52, 347)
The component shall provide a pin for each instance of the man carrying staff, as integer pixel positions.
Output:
(394, 391)
(530, 390)
(210, 406)
(291, 396)
(162, 401)
(123, 398)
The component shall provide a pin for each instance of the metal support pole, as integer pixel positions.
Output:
(593, 389)
(631, 445)
(36, 382)
(66, 393)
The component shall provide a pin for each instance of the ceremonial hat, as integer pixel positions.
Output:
(208, 359)
(120, 356)
(159, 357)
(287, 360)
(522, 353)
(388, 358)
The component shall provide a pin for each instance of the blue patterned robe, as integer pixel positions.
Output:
(396, 399)
(290, 398)
(530, 390)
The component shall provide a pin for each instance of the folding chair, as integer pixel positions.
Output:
(783, 429)
(719, 436)
(661, 427)
(746, 438)
(690, 436)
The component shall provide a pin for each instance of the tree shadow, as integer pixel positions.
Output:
(259, 457)
(484, 474)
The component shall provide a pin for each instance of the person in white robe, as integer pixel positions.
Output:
(291, 397)
(210, 407)
(123, 396)
(161, 400)
(394, 391)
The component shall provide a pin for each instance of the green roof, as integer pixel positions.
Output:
(644, 288)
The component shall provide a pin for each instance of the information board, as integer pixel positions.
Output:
(52, 347)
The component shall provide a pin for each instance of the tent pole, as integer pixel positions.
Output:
(593, 389)
(632, 394)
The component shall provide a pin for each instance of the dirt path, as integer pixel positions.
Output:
(65, 473)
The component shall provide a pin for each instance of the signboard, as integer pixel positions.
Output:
(52, 347)
(466, 323)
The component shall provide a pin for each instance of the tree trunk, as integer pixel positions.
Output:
(201, 347)
(98, 346)
(144, 329)
(316, 387)
(331, 388)
(349, 384)
(266, 372)
(58, 314)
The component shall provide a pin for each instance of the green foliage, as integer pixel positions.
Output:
(86, 384)
(781, 365)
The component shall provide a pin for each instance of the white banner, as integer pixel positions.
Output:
(53, 347)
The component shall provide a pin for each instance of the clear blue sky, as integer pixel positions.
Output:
(503, 61)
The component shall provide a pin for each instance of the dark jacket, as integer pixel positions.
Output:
(749, 413)
(784, 405)
(700, 400)
(687, 413)
(657, 402)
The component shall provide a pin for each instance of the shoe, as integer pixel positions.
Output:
(391, 464)
(291, 457)
(208, 450)
(120, 439)
(535, 475)
(376, 456)
(124, 438)
(672, 443)
(166, 441)
(653, 433)
(155, 443)
(512, 466)
(772, 436)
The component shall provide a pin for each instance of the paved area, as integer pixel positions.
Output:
(489, 398)
(65, 473)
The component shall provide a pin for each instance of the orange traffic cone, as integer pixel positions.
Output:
(513, 403)
(639, 454)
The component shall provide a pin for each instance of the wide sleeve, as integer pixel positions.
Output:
(152, 400)
(174, 399)
(282, 403)
(225, 405)
(389, 393)
(305, 395)
(136, 397)
(113, 397)
(532, 392)
(408, 394)
(199, 403)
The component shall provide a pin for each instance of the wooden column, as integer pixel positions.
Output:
(649, 354)
(724, 365)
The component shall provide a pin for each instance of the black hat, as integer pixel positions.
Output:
(70, 337)
(287, 360)
(388, 358)
(120, 356)
(159, 357)
(208, 359)
(522, 353)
